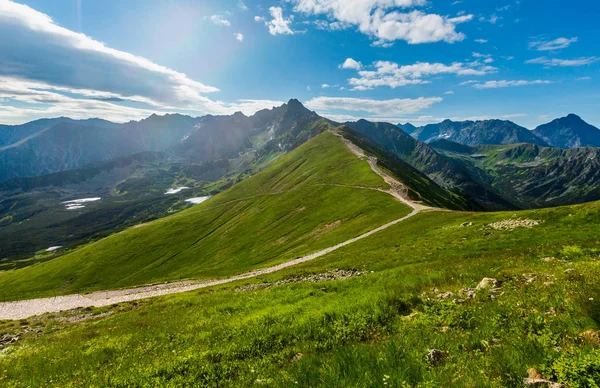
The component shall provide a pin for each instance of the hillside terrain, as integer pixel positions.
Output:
(288, 209)
(529, 175)
(204, 155)
(410, 314)
(512, 295)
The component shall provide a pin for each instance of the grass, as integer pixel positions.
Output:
(301, 204)
(372, 330)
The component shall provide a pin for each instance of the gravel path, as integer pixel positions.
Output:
(28, 308)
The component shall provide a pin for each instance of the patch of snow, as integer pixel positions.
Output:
(74, 207)
(83, 200)
(196, 200)
(176, 190)
(79, 203)
(52, 249)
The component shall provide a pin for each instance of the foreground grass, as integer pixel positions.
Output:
(299, 205)
(371, 330)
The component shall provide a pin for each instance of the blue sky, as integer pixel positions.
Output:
(389, 60)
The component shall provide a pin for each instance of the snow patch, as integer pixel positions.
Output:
(52, 249)
(196, 200)
(79, 203)
(176, 190)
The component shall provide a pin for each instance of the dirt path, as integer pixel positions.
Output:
(28, 308)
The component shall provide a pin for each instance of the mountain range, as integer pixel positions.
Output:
(566, 132)
(470, 165)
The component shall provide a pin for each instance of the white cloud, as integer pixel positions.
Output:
(584, 78)
(481, 40)
(259, 19)
(551, 45)
(241, 5)
(469, 82)
(378, 107)
(39, 73)
(449, 92)
(350, 63)
(376, 18)
(279, 24)
(220, 21)
(331, 26)
(563, 62)
(239, 36)
(505, 84)
(392, 75)
(325, 86)
(308, 89)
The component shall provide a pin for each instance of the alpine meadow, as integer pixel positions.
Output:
(311, 193)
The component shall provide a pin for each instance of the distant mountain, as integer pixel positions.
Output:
(49, 146)
(408, 127)
(476, 132)
(280, 129)
(569, 132)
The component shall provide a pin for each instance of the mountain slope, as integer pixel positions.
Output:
(533, 176)
(569, 132)
(419, 186)
(440, 169)
(306, 201)
(477, 132)
(308, 326)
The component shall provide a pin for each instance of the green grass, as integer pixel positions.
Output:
(297, 206)
(373, 330)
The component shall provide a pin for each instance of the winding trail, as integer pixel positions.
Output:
(28, 308)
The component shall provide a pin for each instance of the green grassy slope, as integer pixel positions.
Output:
(420, 187)
(296, 206)
(374, 330)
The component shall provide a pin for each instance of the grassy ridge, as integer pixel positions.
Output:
(373, 330)
(295, 207)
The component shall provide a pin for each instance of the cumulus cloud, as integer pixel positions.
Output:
(551, 45)
(378, 107)
(378, 19)
(241, 5)
(278, 25)
(392, 75)
(259, 19)
(350, 63)
(51, 68)
(239, 36)
(506, 84)
(563, 62)
(219, 20)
